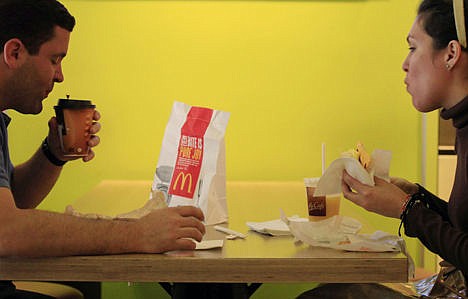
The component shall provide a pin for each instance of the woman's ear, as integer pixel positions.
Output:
(13, 52)
(453, 54)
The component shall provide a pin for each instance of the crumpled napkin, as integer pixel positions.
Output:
(275, 227)
(330, 182)
(340, 232)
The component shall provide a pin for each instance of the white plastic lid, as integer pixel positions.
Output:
(311, 182)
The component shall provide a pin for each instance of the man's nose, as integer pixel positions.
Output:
(58, 75)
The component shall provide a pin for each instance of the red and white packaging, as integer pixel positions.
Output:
(191, 168)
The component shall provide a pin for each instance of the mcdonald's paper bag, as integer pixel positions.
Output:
(191, 168)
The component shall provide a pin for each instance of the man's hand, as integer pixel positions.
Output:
(54, 141)
(384, 198)
(169, 229)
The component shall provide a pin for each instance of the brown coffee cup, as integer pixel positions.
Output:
(74, 118)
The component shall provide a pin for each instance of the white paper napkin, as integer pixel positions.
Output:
(209, 244)
(274, 227)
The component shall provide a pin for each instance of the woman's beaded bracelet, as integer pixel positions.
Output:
(411, 201)
(405, 203)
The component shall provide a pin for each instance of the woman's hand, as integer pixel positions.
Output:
(407, 187)
(384, 198)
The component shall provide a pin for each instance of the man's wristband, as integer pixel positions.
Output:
(51, 157)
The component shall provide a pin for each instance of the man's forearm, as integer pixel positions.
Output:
(33, 180)
(39, 233)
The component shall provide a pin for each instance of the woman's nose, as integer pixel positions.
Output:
(405, 65)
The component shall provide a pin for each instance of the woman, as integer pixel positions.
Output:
(436, 77)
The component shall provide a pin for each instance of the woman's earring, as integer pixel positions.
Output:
(448, 66)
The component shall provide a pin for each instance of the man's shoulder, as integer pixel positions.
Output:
(5, 118)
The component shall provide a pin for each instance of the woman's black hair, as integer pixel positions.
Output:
(439, 21)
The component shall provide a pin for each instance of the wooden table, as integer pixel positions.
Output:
(258, 258)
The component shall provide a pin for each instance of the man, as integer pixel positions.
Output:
(34, 38)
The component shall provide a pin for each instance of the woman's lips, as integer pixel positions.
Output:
(407, 85)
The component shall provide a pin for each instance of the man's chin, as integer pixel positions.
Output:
(38, 109)
(30, 110)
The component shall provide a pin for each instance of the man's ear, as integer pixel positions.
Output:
(13, 52)
(453, 54)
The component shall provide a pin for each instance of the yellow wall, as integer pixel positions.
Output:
(293, 74)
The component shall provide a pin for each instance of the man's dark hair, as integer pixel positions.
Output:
(439, 21)
(32, 21)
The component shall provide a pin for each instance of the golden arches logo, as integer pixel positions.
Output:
(184, 177)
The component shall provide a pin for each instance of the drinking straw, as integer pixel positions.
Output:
(323, 157)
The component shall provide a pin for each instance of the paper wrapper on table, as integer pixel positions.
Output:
(330, 181)
(158, 201)
(191, 169)
(341, 232)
